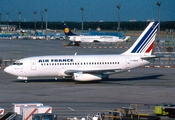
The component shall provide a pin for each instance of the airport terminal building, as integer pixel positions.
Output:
(9, 28)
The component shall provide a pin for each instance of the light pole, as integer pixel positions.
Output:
(118, 6)
(7, 15)
(158, 4)
(46, 19)
(19, 17)
(0, 21)
(35, 19)
(41, 21)
(82, 9)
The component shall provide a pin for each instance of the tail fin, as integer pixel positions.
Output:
(145, 42)
(66, 30)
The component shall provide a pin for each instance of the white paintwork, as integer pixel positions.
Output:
(88, 67)
(85, 38)
(16, 107)
(91, 38)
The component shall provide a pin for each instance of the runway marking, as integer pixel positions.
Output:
(71, 109)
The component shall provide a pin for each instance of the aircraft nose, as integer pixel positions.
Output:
(7, 69)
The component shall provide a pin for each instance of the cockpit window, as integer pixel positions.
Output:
(17, 63)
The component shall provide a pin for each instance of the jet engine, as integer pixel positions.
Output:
(86, 77)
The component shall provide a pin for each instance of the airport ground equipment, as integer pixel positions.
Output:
(165, 109)
(133, 112)
(16, 107)
(1, 111)
(44, 116)
(11, 116)
(28, 111)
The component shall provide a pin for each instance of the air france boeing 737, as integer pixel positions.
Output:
(88, 67)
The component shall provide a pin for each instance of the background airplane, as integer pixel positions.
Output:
(93, 36)
(88, 67)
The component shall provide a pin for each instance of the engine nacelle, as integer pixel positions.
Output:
(86, 77)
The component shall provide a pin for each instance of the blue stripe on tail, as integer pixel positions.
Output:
(145, 39)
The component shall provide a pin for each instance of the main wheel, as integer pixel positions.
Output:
(172, 114)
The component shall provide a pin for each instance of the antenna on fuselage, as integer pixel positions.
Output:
(75, 53)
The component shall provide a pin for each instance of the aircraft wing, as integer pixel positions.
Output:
(109, 71)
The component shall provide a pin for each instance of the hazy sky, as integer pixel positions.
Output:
(94, 10)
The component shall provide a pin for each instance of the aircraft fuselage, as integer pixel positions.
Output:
(62, 65)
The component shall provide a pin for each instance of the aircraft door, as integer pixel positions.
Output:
(33, 64)
(127, 63)
(21, 69)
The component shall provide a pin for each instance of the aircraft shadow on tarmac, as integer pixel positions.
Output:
(35, 80)
(150, 77)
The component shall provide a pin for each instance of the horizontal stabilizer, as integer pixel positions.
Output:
(156, 56)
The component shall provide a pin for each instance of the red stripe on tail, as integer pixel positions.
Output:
(150, 48)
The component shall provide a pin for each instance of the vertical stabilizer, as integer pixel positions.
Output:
(66, 30)
(145, 42)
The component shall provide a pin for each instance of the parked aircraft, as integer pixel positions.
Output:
(88, 67)
(76, 39)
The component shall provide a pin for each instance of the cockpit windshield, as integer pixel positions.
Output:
(17, 63)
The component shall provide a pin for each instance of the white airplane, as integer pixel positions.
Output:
(76, 39)
(88, 67)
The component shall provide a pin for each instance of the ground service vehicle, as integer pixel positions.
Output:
(165, 109)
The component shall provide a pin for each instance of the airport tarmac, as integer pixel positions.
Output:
(75, 99)
(14, 49)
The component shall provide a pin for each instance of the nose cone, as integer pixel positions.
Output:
(8, 69)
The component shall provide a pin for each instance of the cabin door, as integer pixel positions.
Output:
(33, 64)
